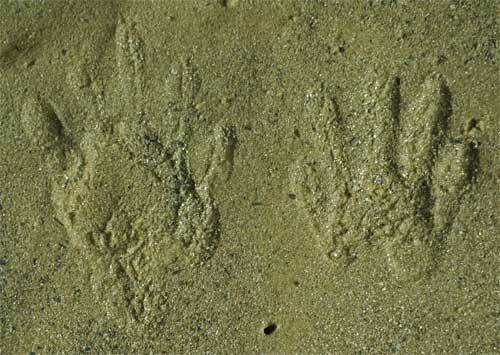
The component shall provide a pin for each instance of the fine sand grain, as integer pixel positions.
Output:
(250, 177)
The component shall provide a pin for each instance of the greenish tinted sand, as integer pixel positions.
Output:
(239, 176)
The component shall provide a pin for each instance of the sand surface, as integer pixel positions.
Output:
(250, 177)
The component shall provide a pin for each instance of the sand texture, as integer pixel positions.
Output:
(250, 177)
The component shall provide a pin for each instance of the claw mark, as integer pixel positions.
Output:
(44, 127)
(41, 123)
(130, 62)
(408, 188)
(384, 119)
(323, 198)
(182, 89)
(453, 175)
(223, 151)
(422, 136)
(228, 141)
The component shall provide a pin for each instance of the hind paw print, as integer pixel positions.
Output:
(392, 183)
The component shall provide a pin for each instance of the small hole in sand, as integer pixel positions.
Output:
(270, 329)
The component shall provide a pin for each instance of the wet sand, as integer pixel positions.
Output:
(236, 177)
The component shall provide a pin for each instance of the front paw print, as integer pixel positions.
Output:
(392, 184)
(127, 196)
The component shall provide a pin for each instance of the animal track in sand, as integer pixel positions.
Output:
(394, 183)
(124, 195)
